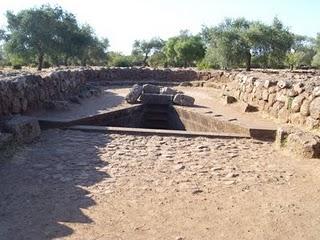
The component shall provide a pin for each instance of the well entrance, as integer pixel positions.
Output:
(165, 119)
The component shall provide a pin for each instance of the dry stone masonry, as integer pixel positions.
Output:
(292, 97)
(293, 100)
(22, 91)
(153, 94)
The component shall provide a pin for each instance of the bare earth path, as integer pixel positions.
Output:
(77, 185)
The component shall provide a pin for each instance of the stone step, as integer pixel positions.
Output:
(156, 124)
(156, 116)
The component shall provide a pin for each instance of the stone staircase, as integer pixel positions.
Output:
(156, 116)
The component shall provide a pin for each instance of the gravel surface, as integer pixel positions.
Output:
(80, 185)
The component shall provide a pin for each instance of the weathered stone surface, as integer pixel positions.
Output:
(301, 143)
(315, 108)
(282, 134)
(297, 119)
(305, 144)
(183, 100)
(229, 99)
(134, 94)
(150, 88)
(57, 105)
(5, 140)
(162, 99)
(168, 91)
(271, 99)
(292, 93)
(25, 129)
(185, 84)
(89, 90)
(316, 92)
(304, 109)
(312, 123)
(298, 87)
(296, 103)
(269, 83)
(283, 115)
(245, 107)
(284, 84)
(265, 95)
(75, 99)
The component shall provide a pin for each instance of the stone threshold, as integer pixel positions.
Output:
(161, 132)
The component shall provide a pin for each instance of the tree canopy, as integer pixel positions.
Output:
(51, 33)
(146, 48)
(237, 42)
(184, 50)
(50, 36)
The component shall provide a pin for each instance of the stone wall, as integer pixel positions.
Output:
(291, 98)
(22, 92)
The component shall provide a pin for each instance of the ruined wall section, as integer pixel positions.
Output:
(290, 98)
(22, 92)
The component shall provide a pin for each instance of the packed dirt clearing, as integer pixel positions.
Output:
(82, 185)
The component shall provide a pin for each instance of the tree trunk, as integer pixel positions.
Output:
(40, 61)
(248, 62)
(66, 61)
(145, 60)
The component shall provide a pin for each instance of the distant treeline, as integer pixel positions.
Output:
(50, 36)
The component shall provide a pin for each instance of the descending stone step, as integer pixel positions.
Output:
(157, 124)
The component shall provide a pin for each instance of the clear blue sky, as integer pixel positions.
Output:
(123, 21)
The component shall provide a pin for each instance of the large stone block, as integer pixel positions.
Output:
(183, 100)
(296, 103)
(315, 108)
(284, 84)
(312, 123)
(245, 107)
(149, 88)
(24, 129)
(305, 144)
(228, 99)
(296, 141)
(162, 99)
(297, 119)
(134, 94)
(168, 91)
(304, 109)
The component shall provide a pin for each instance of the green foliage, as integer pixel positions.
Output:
(143, 49)
(54, 34)
(158, 60)
(17, 66)
(316, 58)
(293, 59)
(235, 43)
(120, 60)
(184, 50)
(316, 61)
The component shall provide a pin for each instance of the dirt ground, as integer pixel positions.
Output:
(95, 186)
(77, 185)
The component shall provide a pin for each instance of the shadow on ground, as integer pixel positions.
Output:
(42, 184)
(108, 100)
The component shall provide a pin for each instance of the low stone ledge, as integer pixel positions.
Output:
(299, 142)
(24, 129)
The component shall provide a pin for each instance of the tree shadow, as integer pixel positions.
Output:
(43, 184)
